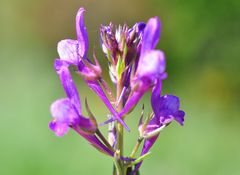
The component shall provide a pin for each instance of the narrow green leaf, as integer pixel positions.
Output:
(140, 158)
(120, 67)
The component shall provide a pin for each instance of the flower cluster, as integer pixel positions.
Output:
(135, 67)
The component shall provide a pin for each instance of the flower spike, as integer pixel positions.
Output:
(135, 67)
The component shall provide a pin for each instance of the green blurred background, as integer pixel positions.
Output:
(202, 44)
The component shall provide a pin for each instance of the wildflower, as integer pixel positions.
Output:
(135, 67)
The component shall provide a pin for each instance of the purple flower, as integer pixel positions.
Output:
(65, 115)
(166, 109)
(67, 111)
(74, 52)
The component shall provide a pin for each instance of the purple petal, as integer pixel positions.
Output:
(63, 111)
(61, 67)
(60, 129)
(140, 27)
(179, 117)
(169, 104)
(82, 35)
(151, 35)
(68, 51)
(95, 86)
(131, 103)
(156, 95)
(151, 65)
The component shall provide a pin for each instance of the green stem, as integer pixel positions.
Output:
(119, 126)
(118, 163)
(139, 141)
(119, 129)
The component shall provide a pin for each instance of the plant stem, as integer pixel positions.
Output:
(119, 131)
(119, 126)
(139, 141)
(118, 163)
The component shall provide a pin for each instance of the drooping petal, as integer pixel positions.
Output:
(59, 128)
(82, 35)
(151, 35)
(68, 51)
(62, 70)
(95, 86)
(179, 117)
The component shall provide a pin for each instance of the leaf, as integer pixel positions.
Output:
(140, 159)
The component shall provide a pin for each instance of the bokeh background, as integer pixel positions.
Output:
(202, 44)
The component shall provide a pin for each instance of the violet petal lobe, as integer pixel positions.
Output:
(68, 51)
(151, 65)
(61, 67)
(64, 114)
(179, 117)
(82, 35)
(168, 105)
(60, 129)
(151, 34)
(63, 111)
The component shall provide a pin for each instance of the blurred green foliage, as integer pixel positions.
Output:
(202, 43)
